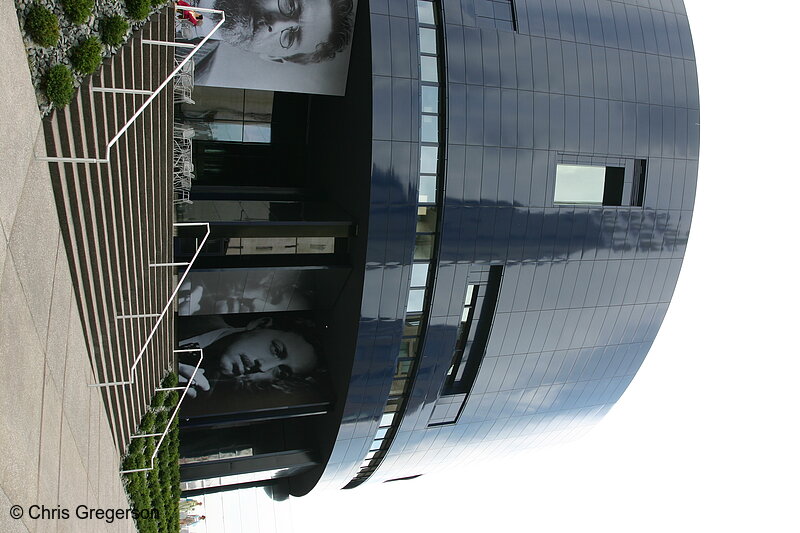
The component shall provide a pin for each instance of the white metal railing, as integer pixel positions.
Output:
(166, 307)
(152, 94)
(163, 434)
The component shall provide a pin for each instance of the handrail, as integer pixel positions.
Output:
(120, 133)
(166, 307)
(174, 413)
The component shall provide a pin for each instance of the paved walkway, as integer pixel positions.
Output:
(56, 447)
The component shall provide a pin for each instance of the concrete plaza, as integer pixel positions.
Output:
(56, 445)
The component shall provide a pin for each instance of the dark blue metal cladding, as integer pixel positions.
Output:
(584, 288)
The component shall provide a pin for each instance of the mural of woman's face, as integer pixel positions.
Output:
(266, 355)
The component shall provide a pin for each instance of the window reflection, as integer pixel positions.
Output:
(430, 99)
(428, 156)
(427, 40)
(403, 369)
(419, 274)
(408, 348)
(425, 12)
(429, 130)
(429, 68)
(423, 248)
(411, 327)
(424, 241)
(426, 219)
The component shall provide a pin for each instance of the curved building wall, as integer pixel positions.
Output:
(584, 289)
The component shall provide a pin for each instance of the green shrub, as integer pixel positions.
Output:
(170, 380)
(157, 3)
(113, 30)
(158, 399)
(87, 55)
(161, 421)
(78, 11)
(42, 26)
(138, 9)
(129, 463)
(172, 399)
(136, 446)
(58, 85)
(148, 420)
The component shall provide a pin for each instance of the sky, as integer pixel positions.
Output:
(706, 438)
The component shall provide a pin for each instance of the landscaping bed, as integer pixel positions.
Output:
(67, 40)
(157, 489)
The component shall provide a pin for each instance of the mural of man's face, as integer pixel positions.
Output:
(276, 29)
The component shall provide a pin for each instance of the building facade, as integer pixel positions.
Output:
(478, 241)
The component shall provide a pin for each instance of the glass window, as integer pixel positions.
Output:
(426, 219)
(423, 248)
(226, 130)
(411, 327)
(316, 245)
(430, 99)
(393, 405)
(579, 184)
(428, 159)
(255, 132)
(416, 298)
(258, 105)
(382, 431)
(427, 40)
(386, 419)
(429, 128)
(470, 291)
(408, 348)
(403, 370)
(419, 274)
(398, 385)
(427, 189)
(425, 12)
(429, 68)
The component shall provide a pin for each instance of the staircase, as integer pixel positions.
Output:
(117, 218)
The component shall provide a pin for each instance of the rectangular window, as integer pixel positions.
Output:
(639, 172)
(495, 14)
(582, 184)
(619, 184)
(425, 12)
(473, 333)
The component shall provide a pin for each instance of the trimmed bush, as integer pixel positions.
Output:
(147, 423)
(158, 399)
(138, 9)
(158, 488)
(172, 399)
(87, 55)
(78, 11)
(161, 421)
(42, 26)
(170, 380)
(58, 85)
(113, 30)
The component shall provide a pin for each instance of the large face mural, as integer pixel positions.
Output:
(280, 45)
(252, 363)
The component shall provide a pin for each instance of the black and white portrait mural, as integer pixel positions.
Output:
(251, 363)
(258, 291)
(279, 45)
